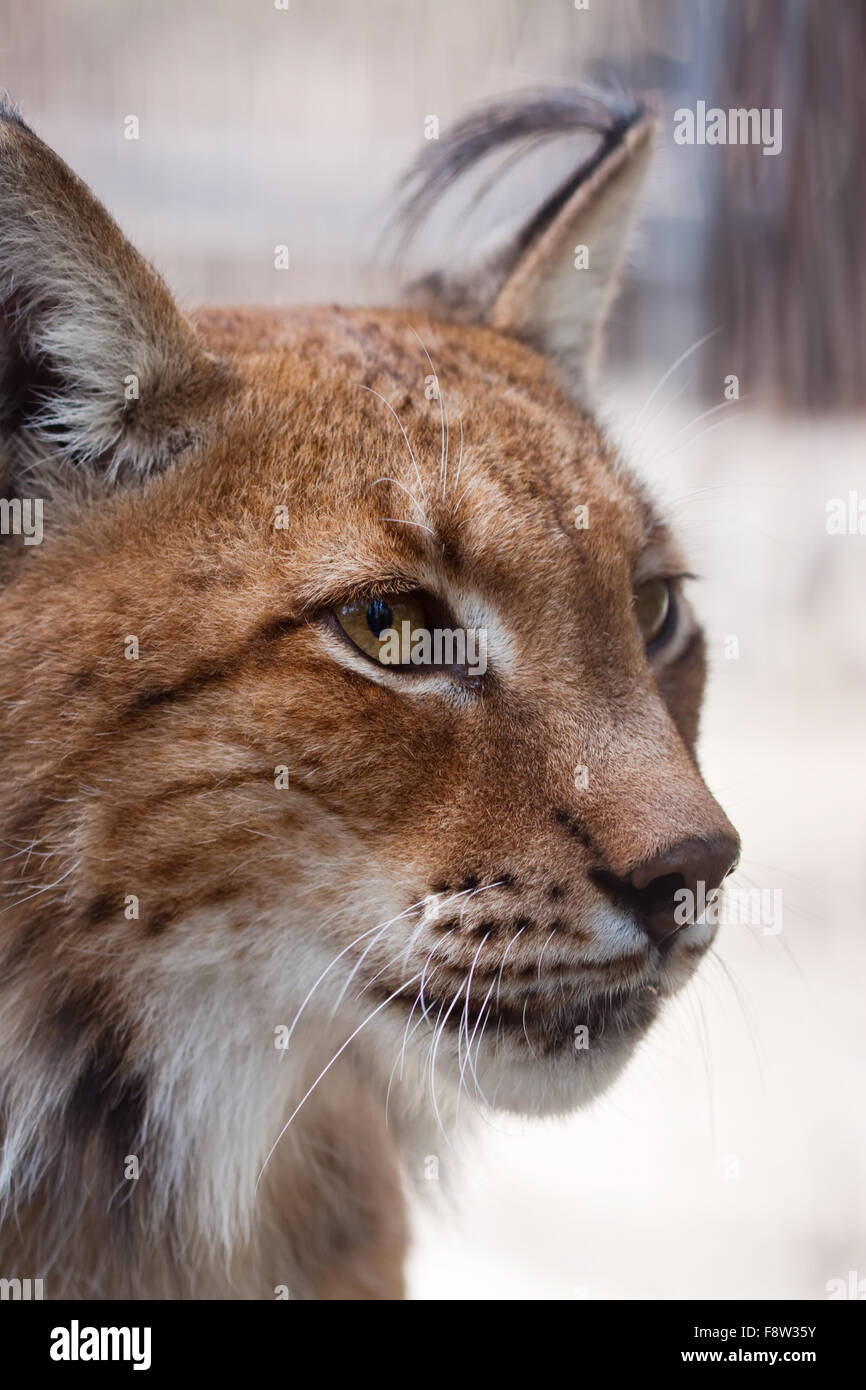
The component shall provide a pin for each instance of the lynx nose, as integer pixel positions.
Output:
(696, 865)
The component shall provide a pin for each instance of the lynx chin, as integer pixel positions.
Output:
(428, 904)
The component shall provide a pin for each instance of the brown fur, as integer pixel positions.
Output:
(155, 777)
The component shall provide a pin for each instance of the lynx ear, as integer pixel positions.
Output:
(551, 279)
(97, 365)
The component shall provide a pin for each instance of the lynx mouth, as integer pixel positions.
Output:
(543, 1024)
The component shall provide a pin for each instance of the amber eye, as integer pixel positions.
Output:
(369, 623)
(653, 603)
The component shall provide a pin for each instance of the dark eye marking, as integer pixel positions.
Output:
(564, 818)
(211, 672)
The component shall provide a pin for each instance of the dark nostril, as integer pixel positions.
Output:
(659, 892)
(699, 866)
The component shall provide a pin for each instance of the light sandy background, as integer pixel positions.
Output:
(730, 1159)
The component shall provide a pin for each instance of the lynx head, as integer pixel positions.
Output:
(354, 685)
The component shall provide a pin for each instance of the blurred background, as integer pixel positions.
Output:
(730, 1160)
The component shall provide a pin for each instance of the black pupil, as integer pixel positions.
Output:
(379, 616)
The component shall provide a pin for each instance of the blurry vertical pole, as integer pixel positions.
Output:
(787, 258)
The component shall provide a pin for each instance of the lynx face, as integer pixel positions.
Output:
(226, 811)
(503, 847)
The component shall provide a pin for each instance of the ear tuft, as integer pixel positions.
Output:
(10, 110)
(526, 279)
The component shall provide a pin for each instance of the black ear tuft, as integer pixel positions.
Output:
(524, 280)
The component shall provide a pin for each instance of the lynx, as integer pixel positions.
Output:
(271, 904)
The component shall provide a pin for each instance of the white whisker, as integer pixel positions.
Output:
(327, 970)
(670, 371)
(668, 449)
(443, 461)
(412, 498)
(403, 431)
(422, 526)
(325, 1070)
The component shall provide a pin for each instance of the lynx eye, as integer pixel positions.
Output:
(366, 620)
(653, 607)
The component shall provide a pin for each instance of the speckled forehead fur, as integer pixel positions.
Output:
(194, 567)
